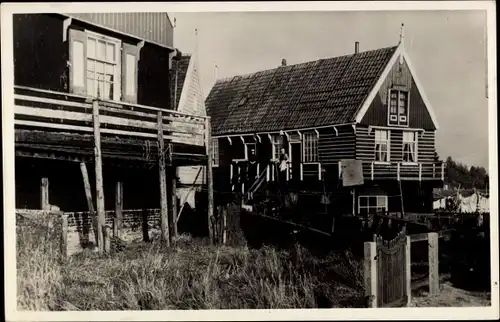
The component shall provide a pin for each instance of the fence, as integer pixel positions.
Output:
(387, 269)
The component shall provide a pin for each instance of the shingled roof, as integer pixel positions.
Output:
(312, 94)
(180, 66)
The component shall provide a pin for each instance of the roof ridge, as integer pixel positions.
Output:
(315, 60)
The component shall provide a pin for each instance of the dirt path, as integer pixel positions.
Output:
(451, 297)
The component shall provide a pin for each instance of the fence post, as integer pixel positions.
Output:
(370, 273)
(118, 209)
(433, 263)
(98, 175)
(408, 270)
(107, 239)
(44, 194)
(64, 236)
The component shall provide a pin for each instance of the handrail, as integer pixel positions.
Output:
(118, 118)
(88, 98)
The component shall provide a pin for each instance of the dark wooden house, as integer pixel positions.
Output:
(367, 109)
(65, 65)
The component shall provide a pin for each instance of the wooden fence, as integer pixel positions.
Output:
(387, 269)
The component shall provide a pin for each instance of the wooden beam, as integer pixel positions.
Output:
(433, 264)
(172, 195)
(44, 194)
(408, 270)
(88, 196)
(370, 273)
(165, 235)
(118, 209)
(210, 184)
(98, 176)
(64, 236)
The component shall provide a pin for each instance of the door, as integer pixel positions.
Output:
(296, 159)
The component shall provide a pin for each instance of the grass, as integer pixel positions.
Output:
(189, 275)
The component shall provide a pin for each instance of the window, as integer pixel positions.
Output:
(310, 141)
(398, 107)
(277, 142)
(103, 67)
(97, 64)
(409, 146)
(248, 149)
(372, 204)
(382, 145)
(215, 152)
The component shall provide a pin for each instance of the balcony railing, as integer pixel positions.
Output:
(420, 171)
(44, 110)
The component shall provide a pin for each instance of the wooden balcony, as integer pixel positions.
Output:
(421, 171)
(58, 125)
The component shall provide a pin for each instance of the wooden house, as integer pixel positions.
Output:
(366, 109)
(79, 74)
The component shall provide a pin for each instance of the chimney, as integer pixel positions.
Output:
(283, 62)
(356, 47)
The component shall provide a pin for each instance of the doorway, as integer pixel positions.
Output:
(296, 159)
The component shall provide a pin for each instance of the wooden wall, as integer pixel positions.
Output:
(152, 26)
(365, 145)
(419, 116)
(40, 54)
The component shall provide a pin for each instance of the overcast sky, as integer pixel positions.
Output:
(447, 49)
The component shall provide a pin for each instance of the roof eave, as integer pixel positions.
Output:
(69, 16)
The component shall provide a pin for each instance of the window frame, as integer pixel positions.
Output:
(415, 149)
(277, 143)
(312, 148)
(376, 206)
(406, 115)
(388, 143)
(117, 84)
(215, 152)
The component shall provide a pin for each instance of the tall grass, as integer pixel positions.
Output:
(190, 275)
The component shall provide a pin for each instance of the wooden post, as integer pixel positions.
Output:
(165, 235)
(107, 239)
(210, 183)
(408, 270)
(172, 197)
(88, 195)
(370, 274)
(118, 209)
(64, 236)
(44, 194)
(433, 263)
(98, 175)
(145, 227)
(224, 225)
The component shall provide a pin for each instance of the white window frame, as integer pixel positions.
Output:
(387, 141)
(117, 90)
(384, 203)
(247, 149)
(276, 145)
(215, 152)
(310, 143)
(413, 142)
(399, 116)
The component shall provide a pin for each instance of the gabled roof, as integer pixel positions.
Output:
(318, 93)
(180, 65)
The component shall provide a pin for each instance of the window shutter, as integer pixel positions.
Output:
(130, 68)
(77, 69)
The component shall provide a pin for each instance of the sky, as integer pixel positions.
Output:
(447, 49)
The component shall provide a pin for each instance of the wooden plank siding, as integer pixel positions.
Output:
(365, 145)
(333, 148)
(152, 26)
(419, 116)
